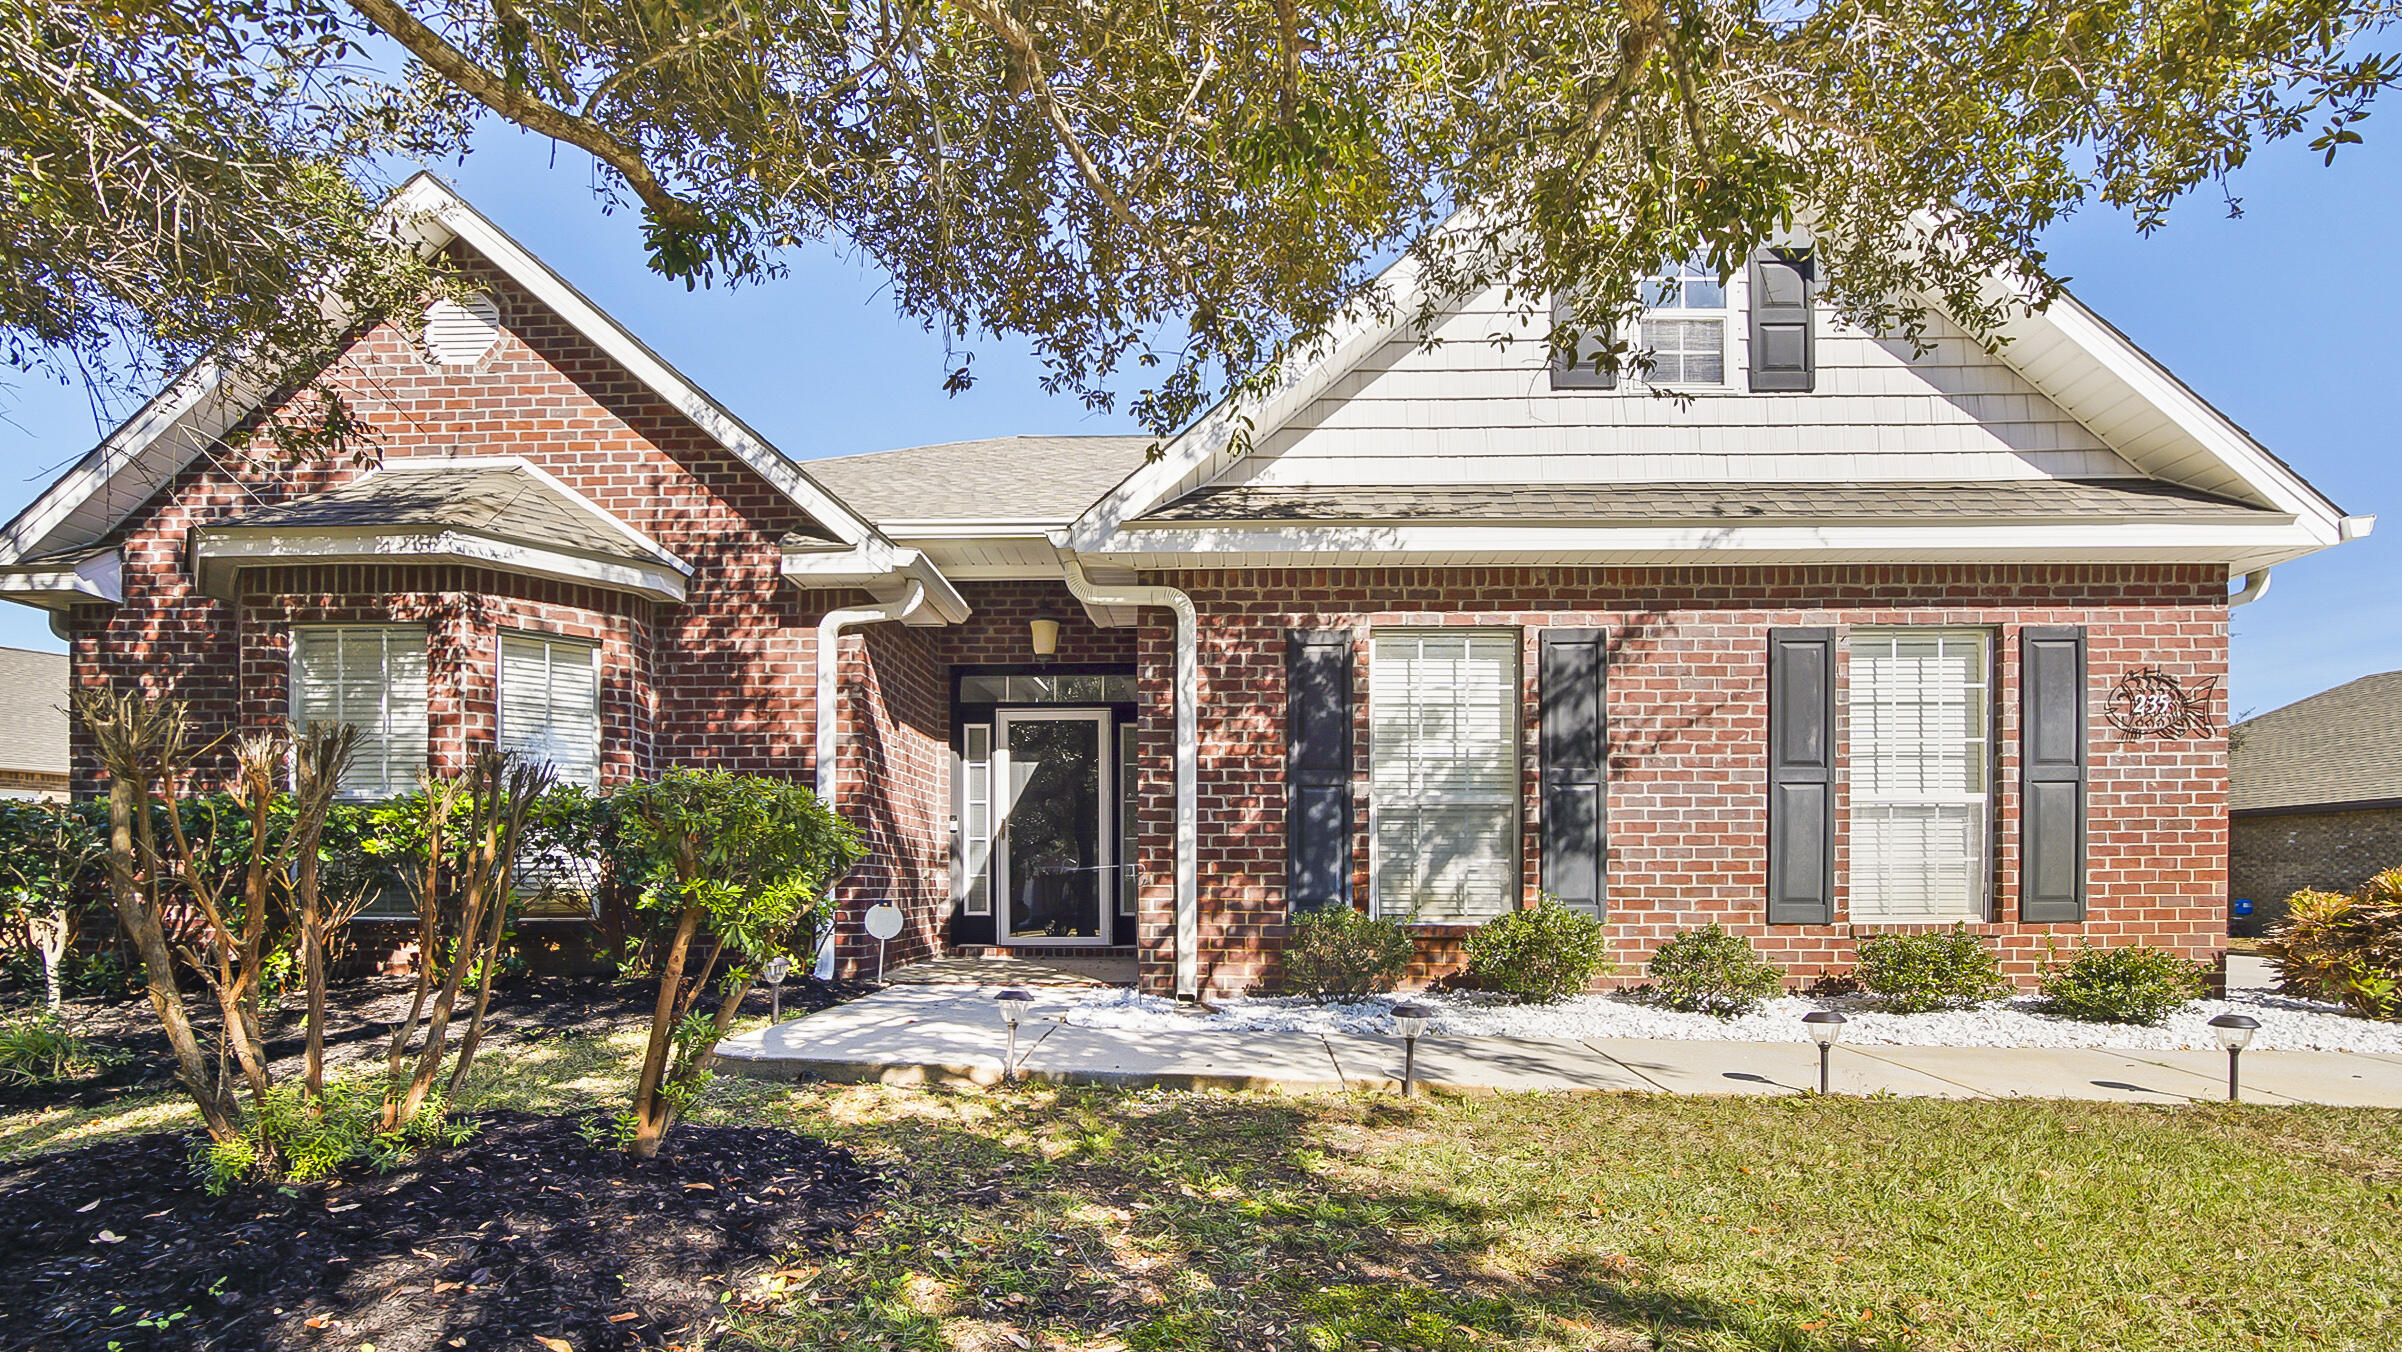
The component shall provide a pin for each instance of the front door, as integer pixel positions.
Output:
(1054, 847)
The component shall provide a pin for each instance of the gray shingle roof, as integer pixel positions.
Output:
(1047, 479)
(505, 502)
(2339, 746)
(33, 710)
(2009, 500)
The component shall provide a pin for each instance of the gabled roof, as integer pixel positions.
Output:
(2336, 747)
(2156, 425)
(1028, 480)
(33, 711)
(203, 403)
(500, 512)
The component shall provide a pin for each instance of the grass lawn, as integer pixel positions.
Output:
(1105, 1219)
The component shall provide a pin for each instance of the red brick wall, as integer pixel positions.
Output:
(728, 668)
(1687, 720)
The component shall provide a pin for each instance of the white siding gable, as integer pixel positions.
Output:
(1472, 410)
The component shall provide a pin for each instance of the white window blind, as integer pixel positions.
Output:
(1443, 776)
(550, 704)
(374, 680)
(1920, 707)
(975, 819)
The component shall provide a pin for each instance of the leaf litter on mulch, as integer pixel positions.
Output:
(525, 1236)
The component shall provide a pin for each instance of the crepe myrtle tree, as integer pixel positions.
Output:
(747, 858)
(1178, 194)
(48, 853)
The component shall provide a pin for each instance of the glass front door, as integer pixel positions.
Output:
(1055, 852)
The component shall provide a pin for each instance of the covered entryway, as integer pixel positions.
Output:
(1045, 824)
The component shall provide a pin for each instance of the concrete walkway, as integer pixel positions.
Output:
(953, 1035)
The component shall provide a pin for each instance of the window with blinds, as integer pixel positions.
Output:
(1920, 707)
(374, 680)
(550, 704)
(1443, 774)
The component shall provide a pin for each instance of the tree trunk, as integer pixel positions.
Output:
(52, 935)
(652, 1112)
(139, 916)
(312, 969)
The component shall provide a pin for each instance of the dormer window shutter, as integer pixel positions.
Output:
(1589, 370)
(1784, 349)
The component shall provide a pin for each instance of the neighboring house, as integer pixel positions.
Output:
(2315, 796)
(33, 724)
(1825, 647)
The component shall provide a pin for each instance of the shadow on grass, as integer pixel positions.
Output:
(1095, 1218)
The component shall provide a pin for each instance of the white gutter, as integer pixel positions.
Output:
(2256, 585)
(1188, 755)
(827, 662)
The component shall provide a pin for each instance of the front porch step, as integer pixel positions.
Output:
(1127, 952)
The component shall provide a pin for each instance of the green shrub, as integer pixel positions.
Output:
(2135, 984)
(285, 1141)
(1709, 971)
(1537, 956)
(1336, 952)
(39, 1049)
(2343, 947)
(1913, 973)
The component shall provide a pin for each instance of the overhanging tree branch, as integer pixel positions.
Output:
(529, 112)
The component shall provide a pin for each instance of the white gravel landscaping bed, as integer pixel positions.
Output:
(2285, 1024)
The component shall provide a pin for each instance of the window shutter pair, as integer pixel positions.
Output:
(1784, 340)
(1801, 776)
(1574, 758)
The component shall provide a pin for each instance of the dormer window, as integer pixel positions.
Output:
(1684, 326)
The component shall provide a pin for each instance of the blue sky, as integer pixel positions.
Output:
(2278, 317)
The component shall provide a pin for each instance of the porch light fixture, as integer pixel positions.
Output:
(1825, 1025)
(2234, 1033)
(1410, 1021)
(1044, 630)
(1013, 1003)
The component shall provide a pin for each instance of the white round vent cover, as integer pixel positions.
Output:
(460, 333)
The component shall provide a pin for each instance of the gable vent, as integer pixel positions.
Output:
(460, 333)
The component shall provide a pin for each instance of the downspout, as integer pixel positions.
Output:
(2256, 585)
(1187, 945)
(827, 664)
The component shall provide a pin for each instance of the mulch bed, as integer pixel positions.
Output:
(359, 1015)
(523, 1235)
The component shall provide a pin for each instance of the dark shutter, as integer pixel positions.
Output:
(1801, 776)
(1579, 372)
(2051, 761)
(1317, 743)
(1575, 757)
(1784, 351)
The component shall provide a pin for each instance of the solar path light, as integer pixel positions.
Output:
(773, 973)
(2234, 1033)
(1410, 1020)
(1013, 1003)
(1825, 1026)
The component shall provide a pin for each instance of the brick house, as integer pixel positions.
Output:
(1822, 646)
(2315, 796)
